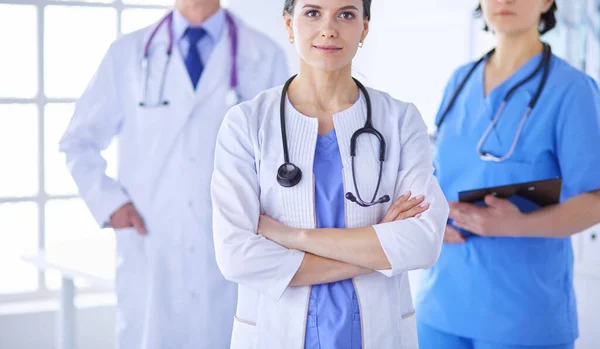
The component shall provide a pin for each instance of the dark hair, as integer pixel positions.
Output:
(288, 7)
(547, 20)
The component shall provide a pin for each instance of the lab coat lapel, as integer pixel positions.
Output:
(216, 71)
(183, 99)
(367, 150)
(178, 91)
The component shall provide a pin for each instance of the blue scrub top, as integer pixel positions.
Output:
(515, 291)
(333, 313)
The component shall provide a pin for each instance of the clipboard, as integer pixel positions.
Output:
(543, 193)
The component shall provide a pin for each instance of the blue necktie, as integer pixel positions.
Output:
(193, 62)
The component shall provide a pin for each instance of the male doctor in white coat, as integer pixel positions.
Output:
(170, 292)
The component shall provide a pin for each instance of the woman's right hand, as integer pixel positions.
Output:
(453, 236)
(405, 207)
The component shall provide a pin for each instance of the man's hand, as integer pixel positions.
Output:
(127, 216)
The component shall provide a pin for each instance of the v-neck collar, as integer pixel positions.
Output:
(324, 142)
(499, 92)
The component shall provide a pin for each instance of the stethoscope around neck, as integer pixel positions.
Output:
(289, 175)
(232, 98)
(544, 64)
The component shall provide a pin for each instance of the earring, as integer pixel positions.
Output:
(292, 40)
(361, 44)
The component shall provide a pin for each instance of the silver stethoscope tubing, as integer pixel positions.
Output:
(232, 97)
(544, 64)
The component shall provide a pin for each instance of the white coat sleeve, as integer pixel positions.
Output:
(96, 121)
(415, 243)
(242, 255)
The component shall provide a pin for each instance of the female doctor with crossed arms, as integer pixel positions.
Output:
(317, 265)
(504, 279)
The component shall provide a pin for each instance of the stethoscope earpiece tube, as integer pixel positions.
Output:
(288, 174)
(230, 99)
(486, 156)
(350, 197)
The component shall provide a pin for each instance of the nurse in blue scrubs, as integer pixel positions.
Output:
(505, 275)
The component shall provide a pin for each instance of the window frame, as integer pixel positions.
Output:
(41, 101)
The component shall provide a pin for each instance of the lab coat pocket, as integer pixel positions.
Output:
(408, 331)
(130, 276)
(151, 125)
(244, 334)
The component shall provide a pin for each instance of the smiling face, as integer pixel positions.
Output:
(327, 32)
(509, 17)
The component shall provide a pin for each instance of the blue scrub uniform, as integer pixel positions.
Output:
(333, 313)
(511, 291)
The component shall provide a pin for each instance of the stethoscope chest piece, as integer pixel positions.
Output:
(289, 175)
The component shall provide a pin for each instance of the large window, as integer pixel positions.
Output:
(52, 49)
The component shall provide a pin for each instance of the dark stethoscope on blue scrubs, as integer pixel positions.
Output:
(544, 64)
(289, 175)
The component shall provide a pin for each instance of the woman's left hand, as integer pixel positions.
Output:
(277, 232)
(500, 218)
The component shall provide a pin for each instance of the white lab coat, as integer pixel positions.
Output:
(170, 292)
(271, 315)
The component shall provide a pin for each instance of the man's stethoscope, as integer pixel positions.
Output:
(544, 64)
(289, 175)
(232, 98)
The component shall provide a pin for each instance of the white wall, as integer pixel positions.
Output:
(412, 47)
(268, 18)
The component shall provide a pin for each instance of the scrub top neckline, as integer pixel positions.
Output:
(523, 70)
(325, 141)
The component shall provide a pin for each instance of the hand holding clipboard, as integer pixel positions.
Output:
(501, 216)
(543, 193)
